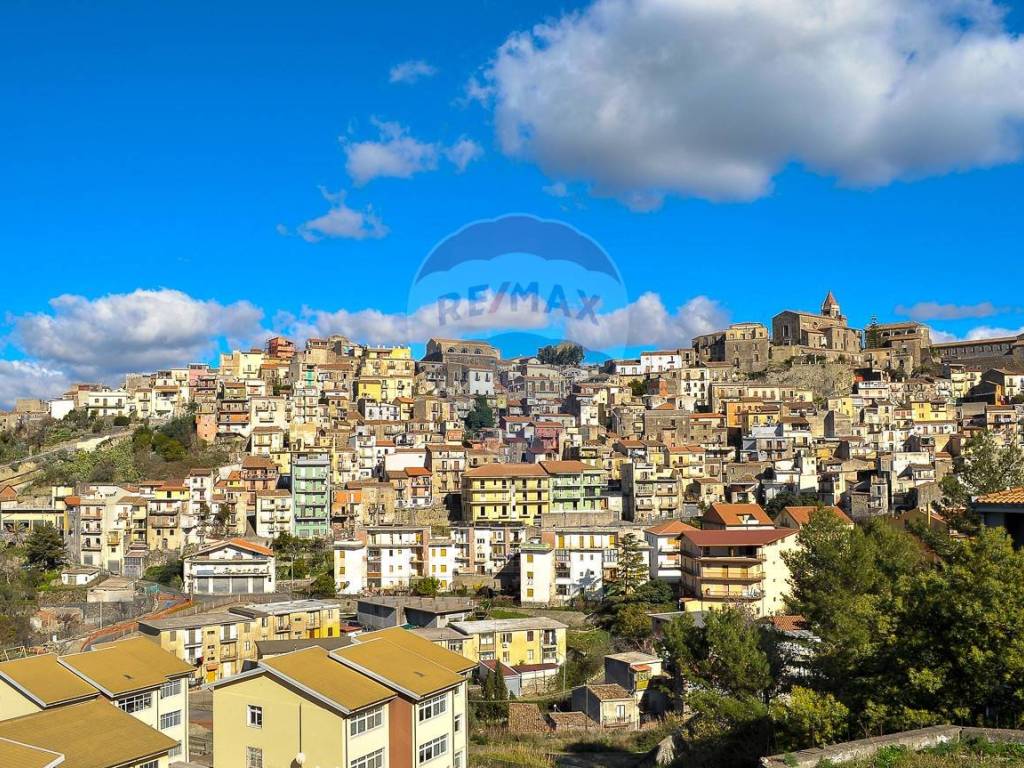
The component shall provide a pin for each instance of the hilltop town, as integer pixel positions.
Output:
(404, 552)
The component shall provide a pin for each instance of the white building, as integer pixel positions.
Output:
(230, 567)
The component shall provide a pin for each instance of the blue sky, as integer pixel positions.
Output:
(184, 146)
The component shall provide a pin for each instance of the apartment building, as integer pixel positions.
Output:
(80, 735)
(650, 492)
(575, 487)
(311, 493)
(663, 550)
(135, 675)
(574, 561)
(505, 493)
(486, 548)
(515, 642)
(230, 567)
(218, 644)
(390, 700)
(723, 567)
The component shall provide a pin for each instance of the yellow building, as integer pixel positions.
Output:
(216, 645)
(89, 734)
(135, 675)
(505, 493)
(389, 700)
(532, 640)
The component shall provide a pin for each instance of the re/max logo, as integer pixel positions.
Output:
(481, 300)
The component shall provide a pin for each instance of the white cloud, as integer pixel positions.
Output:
(713, 98)
(930, 310)
(146, 330)
(646, 322)
(397, 154)
(463, 152)
(24, 378)
(411, 71)
(990, 332)
(557, 189)
(975, 334)
(340, 221)
(941, 337)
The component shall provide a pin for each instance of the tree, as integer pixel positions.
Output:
(681, 645)
(735, 662)
(481, 416)
(631, 623)
(45, 548)
(637, 387)
(985, 467)
(960, 640)
(809, 719)
(564, 353)
(775, 505)
(322, 586)
(872, 335)
(428, 586)
(631, 570)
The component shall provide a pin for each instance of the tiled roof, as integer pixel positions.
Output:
(1008, 496)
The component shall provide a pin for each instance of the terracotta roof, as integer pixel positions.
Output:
(83, 734)
(737, 538)
(731, 514)
(496, 469)
(609, 692)
(668, 527)
(802, 515)
(259, 549)
(1008, 496)
(790, 623)
(7, 493)
(564, 467)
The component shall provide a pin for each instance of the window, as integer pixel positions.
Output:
(175, 750)
(136, 703)
(366, 721)
(170, 688)
(254, 716)
(458, 760)
(431, 749)
(170, 719)
(253, 757)
(373, 760)
(458, 723)
(433, 707)
(150, 763)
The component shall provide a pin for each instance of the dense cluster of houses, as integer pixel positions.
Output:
(368, 448)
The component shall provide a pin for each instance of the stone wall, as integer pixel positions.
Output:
(919, 739)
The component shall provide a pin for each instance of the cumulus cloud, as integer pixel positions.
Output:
(463, 152)
(990, 332)
(397, 154)
(644, 98)
(410, 71)
(24, 378)
(343, 222)
(146, 330)
(975, 334)
(930, 310)
(644, 322)
(647, 322)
